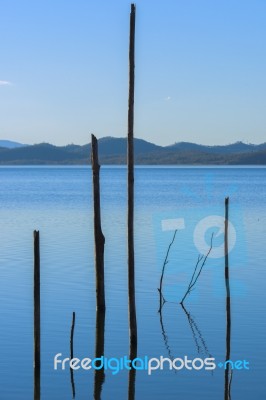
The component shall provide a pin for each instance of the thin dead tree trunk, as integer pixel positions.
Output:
(228, 372)
(99, 239)
(37, 317)
(130, 162)
(227, 282)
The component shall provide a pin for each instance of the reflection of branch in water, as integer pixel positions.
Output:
(165, 337)
(132, 373)
(160, 289)
(197, 335)
(72, 354)
(99, 375)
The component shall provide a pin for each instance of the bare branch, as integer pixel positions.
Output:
(160, 289)
(197, 271)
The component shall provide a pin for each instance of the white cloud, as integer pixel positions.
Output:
(5, 83)
(168, 98)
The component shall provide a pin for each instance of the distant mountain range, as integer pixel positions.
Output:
(11, 145)
(113, 151)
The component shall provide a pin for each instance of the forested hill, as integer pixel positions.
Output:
(113, 151)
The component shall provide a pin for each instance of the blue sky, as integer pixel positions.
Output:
(200, 70)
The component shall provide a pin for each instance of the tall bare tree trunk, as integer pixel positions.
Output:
(37, 317)
(99, 239)
(130, 162)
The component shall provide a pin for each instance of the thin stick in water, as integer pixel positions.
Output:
(72, 335)
(72, 354)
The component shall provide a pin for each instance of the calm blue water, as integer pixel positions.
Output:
(58, 202)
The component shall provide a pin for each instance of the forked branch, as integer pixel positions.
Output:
(197, 271)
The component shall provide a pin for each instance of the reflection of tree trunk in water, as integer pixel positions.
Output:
(72, 354)
(197, 335)
(132, 373)
(99, 375)
(228, 371)
(72, 383)
(37, 384)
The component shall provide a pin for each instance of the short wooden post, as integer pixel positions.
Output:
(227, 283)
(72, 335)
(99, 239)
(72, 354)
(37, 316)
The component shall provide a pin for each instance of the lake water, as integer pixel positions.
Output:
(58, 202)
